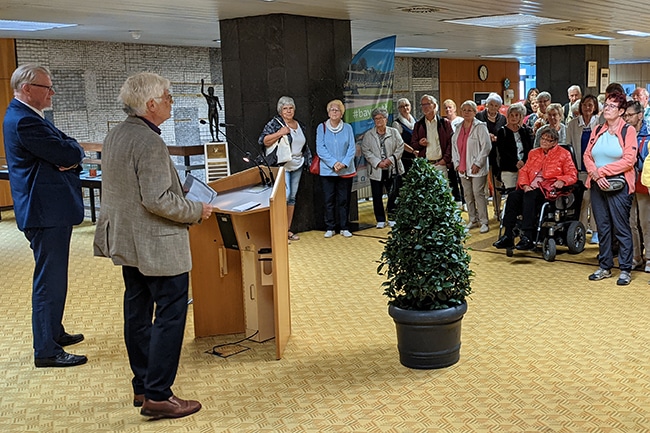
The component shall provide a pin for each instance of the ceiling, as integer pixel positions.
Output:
(196, 22)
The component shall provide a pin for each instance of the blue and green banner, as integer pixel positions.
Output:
(369, 85)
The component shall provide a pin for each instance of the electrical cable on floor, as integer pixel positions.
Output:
(236, 345)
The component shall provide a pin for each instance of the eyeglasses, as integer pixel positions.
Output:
(426, 104)
(168, 97)
(610, 106)
(627, 115)
(548, 140)
(49, 88)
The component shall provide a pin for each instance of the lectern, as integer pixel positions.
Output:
(240, 261)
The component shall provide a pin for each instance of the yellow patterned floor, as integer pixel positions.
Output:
(544, 350)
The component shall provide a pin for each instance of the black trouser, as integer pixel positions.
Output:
(526, 204)
(391, 185)
(154, 348)
(337, 191)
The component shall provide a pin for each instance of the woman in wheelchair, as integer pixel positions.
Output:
(548, 167)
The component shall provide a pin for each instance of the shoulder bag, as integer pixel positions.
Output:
(279, 153)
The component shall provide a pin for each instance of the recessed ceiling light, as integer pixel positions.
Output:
(633, 33)
(416, 50)
(510, 20)
(30, 26)
(420, 9)
(590, 36)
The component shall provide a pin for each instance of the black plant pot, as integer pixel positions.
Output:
(428, 339)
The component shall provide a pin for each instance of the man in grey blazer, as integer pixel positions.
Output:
(143, 227)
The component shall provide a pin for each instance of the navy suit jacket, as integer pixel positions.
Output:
(35, 149)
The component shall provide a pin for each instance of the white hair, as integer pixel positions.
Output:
(139, 89)
(494, 97)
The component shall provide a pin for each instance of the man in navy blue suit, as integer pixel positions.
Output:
(44, 165)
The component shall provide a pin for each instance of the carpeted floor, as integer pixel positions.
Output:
(544, 350)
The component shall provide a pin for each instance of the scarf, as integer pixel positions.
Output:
(334, 130)
(410, 123)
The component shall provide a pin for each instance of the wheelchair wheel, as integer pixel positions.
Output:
(549, 249)
(576, 237)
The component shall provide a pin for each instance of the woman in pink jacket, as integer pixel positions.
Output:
(609, 161)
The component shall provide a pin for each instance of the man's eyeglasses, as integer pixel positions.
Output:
(628, 115)
(49, 88)
(168, 97)
(426, 104)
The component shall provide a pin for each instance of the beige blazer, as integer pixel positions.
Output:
(144, 218)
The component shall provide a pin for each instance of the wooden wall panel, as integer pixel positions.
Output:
(459, 78)
(7, 66)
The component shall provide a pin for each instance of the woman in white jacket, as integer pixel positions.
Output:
(470, 147)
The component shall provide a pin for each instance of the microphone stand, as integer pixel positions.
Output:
(247, 158)
(260, 155)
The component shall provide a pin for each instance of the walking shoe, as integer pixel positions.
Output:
(471, 225)
(594, 238)
(504, 241)
(600, 274)
(329, 233)
(381, 225)
(346, 233)
(484, 228)
(637, 263)
(525, 244)
(391, 223)
(647, 266)
(624, 279)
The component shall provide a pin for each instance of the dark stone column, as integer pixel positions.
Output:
(266, 57)
(561, 66)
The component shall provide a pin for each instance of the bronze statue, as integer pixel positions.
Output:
(213, 113)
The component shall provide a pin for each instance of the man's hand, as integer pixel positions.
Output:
(207, 211)
(72, 167)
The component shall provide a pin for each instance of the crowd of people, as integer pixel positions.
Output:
(536, 145)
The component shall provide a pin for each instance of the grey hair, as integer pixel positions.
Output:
(139, 89)
(401, 101)
(285, 101)
(379, 110)
(544, 95)
(517, 108)
(557, 107)
(26, 74)
(575, 107)
(574, 87)
(469, 103)
(494, 97)
(430, 98)
(552, 132)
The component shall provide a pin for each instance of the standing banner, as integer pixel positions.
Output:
(369, 85)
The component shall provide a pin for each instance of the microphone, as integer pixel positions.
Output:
(260, 155)
(247, 158)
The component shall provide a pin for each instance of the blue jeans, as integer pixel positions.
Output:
(612, 214)
(292, 181)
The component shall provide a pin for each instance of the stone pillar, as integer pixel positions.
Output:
(559, 67)
(266, 57)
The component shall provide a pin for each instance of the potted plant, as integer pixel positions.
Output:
(427, 268)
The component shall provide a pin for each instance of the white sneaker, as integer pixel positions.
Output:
(484, 228)
(381, 225)
(346, 233)
(391, 223)
(471, 225)
(329, 233)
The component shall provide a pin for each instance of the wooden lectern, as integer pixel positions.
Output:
(240, 261)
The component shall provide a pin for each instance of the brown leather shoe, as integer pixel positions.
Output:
(138, 400)
(173, 407)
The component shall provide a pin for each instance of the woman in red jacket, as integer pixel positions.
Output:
(550, 165)
(611, 154)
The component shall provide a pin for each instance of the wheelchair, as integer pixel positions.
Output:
(557, 224)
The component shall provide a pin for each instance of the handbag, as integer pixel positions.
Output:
(314, 168)
(616, 183)
(279, 152)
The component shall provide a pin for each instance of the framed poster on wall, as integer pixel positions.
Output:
(592, 74)
(604, 79)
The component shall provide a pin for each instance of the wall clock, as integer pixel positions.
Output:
(482, 72)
